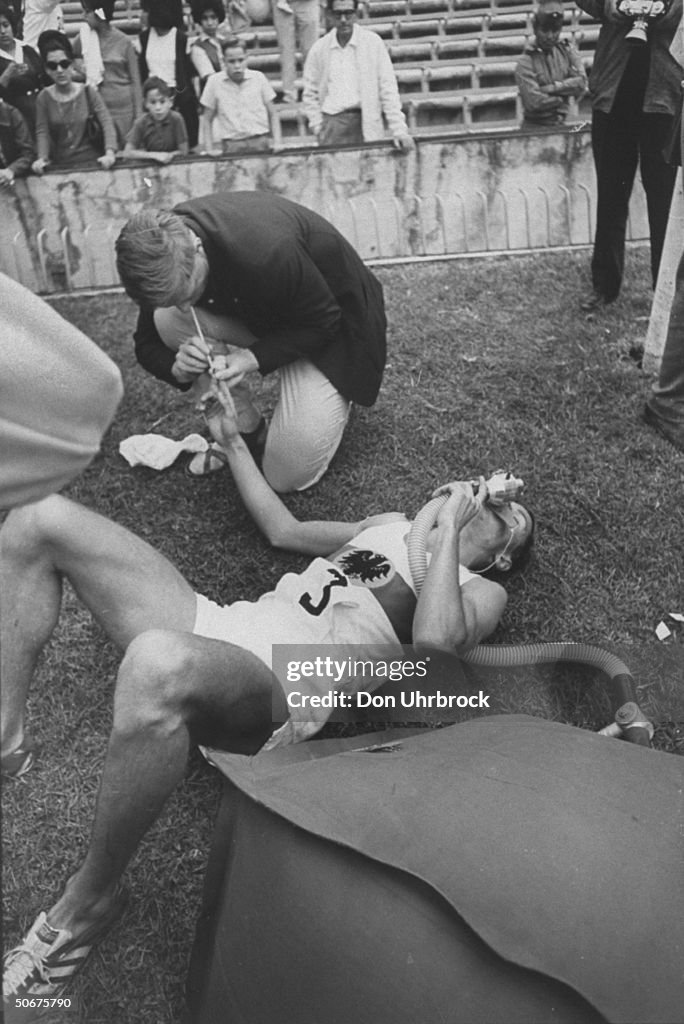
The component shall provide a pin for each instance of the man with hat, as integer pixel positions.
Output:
(550, 70)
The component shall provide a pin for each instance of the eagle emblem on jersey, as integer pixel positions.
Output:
(365, 568)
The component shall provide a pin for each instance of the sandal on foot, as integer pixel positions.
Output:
(49, 958)
(203, 463)
(17, 762)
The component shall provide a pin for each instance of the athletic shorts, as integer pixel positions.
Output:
(257, 626)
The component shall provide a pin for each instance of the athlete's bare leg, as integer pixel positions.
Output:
(127, 586)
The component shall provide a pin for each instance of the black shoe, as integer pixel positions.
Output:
(594, 301)
(672, 433)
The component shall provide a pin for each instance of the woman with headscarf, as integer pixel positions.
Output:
(21, 72)
(110, 64)
(66, 112)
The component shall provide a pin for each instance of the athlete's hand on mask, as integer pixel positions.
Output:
(462, 505)
(192, 359)
(238, 362)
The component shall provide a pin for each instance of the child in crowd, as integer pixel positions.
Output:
(550, 70)
(241, 102)
(205, 51)
(159, 134)
(163, 53)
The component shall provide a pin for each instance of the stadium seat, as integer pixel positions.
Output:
(454, 59)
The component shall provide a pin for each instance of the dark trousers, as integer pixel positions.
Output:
(186, 105)
(621, 141)
(343, 129)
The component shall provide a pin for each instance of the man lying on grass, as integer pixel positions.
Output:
(194, 672)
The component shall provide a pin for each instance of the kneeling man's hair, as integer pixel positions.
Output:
(155, 257)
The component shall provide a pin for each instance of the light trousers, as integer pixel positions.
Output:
(309, 418)
(302, 24)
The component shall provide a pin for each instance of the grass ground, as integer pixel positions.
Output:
(489, 365)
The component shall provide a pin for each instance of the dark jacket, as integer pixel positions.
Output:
(294, 281)
(16, 145)
(537, 68)
(184, 69)
(663, 75)
(24, 88)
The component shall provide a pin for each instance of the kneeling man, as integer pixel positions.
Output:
(274, 286)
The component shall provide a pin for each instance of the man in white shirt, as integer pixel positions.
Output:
(350, 85)
(39, 16)
(240, 101)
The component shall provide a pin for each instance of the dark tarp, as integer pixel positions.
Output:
(504, 869)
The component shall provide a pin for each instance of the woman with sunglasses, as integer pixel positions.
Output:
(21, 73)
(63, 111)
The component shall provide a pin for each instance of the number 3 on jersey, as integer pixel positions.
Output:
(306, 601)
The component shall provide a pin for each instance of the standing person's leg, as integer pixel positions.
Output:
(127, 586)
(186, 104)
(308, 17)
(665, 407)
(615, 147)
(658, 178)
(306, 429)
(284, 24)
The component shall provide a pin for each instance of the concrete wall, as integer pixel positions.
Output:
(455, 194)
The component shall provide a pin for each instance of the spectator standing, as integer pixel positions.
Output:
(16, 146)
(635, 92)
(159, 134)
(63, 113)
(295, 21)
(21, 72)
(174, 9)
(164, 54)
(41, 16)
(349, 84)
(205, 52)
(241, 102)
(110, 64)
(550, 70)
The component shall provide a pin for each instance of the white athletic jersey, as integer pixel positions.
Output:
(330, 602)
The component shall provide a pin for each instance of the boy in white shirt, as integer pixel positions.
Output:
(241, 101)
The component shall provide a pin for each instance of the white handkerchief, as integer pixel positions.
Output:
(157, 451)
